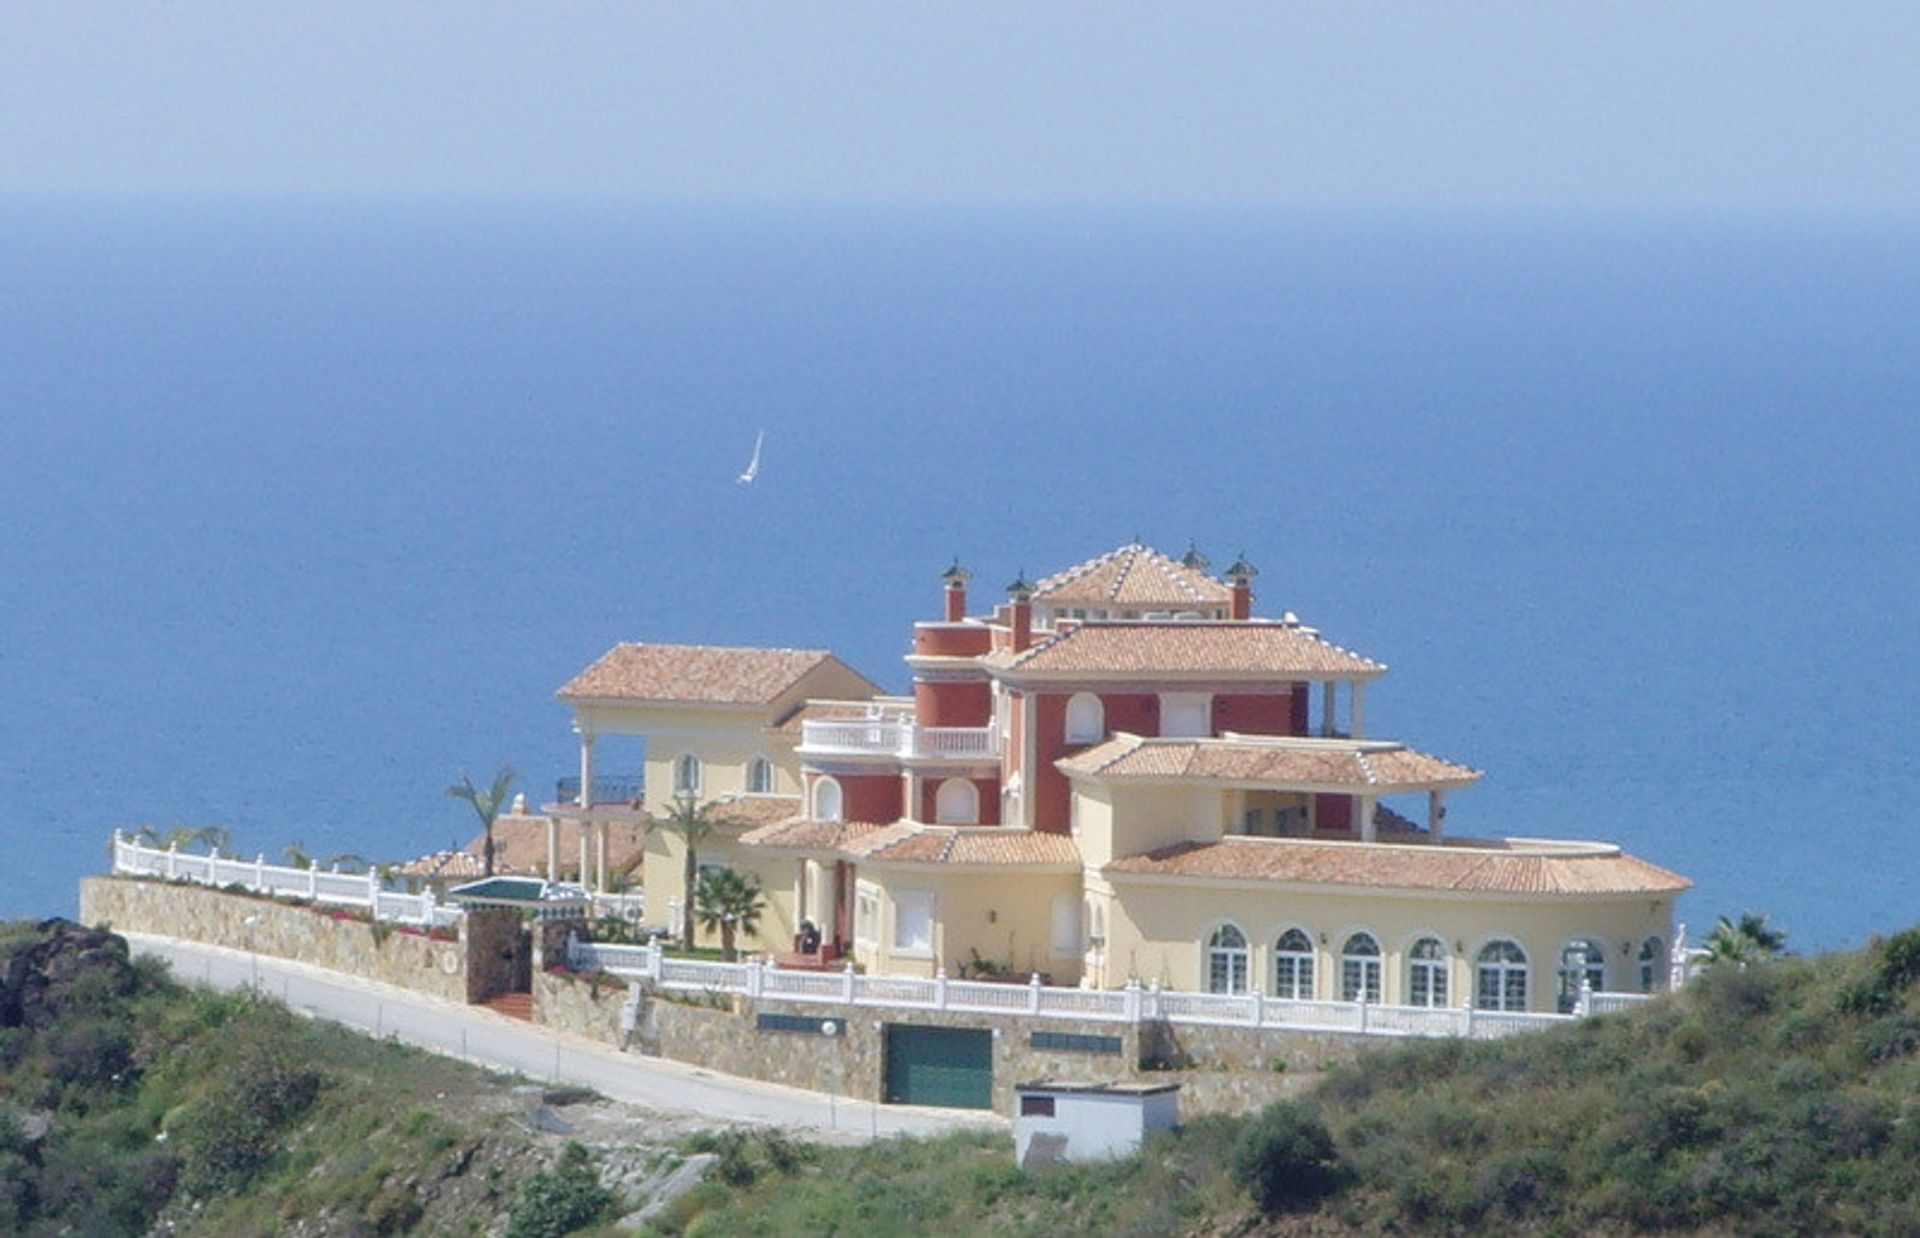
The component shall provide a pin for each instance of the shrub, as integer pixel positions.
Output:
(560, 1200)
(1286, 1158)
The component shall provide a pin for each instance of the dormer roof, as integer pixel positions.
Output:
(1133, 576)
(1229, 650)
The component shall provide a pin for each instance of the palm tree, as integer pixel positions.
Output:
(486, 804)
(347, 862)
(298, 856)
(729, 900)
(693, 822)
(1749, 939)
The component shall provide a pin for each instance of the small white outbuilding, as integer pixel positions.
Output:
(1056, 1121)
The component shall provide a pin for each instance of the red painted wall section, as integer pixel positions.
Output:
(1253, 714)
(1052, 793)
(1300, 703)
(1332, 812)
(952, 703)
(989, 789)
(1135, 712)
(962, 641)
(870, 797)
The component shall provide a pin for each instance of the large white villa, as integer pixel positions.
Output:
(1120, 773)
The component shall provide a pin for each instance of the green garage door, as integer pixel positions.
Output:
(950, 1066)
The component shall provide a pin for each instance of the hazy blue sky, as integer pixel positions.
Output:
(1671, 104)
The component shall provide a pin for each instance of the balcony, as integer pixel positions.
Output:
(902, 740)
(613, 792)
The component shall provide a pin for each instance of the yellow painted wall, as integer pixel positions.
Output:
(1121, 820)
(1156, 932)
(664, 870)
(1005, 917)
(725, 741)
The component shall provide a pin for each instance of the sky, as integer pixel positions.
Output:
(1693, 106)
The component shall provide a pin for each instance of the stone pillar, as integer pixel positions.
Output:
(1357, 709)
(586, 765)
(586, 832)
(1363, 812)
(600, 860)
(1327, 703)
(553, 848)
(1436, 813)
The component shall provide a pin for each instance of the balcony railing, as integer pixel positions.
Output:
(873, 737)
(605, 790)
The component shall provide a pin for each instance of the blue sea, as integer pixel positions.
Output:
(307, 510)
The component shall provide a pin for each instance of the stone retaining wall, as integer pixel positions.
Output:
(304, 934)
(570, 1003)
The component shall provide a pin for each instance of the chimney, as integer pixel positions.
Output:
(956, 578)
(1242, 574)
(1020, 595)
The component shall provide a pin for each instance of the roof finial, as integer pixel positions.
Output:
(956, 575)
(1240, 569)
(1193, 558)
(1021, 589)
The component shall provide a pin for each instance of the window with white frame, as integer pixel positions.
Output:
(957, 802)
(1360, 969)
(866, 913)
(1653, 965)
(1427, 973)
(1066, 925)
(1186, 715)
(1293, 966)
(1581, 960)
(913, 922)
(1500, 977)
(759, 776)
(826, 799)
(1228, 959)
(1086, 719)
(686, 774)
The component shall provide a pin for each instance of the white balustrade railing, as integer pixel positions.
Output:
(1129, 1005)
(883, 737)
(259, 877)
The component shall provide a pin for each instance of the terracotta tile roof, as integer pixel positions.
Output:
(1470, 866)
(996, 846)
(1227, 650)
(804, 834)
(455, 864)
(693, 674)
(520, 845)
(1360, 764)
(1133, 576)
(755, 810)
(902, 843)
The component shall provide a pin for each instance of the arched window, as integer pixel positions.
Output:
(1227, 957)
(759, 776)
(1360, 969)
(1293, 966)
(1427, 973)
(686, 775)
(1500, 977)
(1653, 965)
(826, 799)
(1086, 719)
(1580, 959)
(957, 802)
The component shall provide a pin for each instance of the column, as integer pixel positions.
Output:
(553, 848)
(586, 830)
(586, 765)
(600, 861)
(1357, 709)
(1327, 703)
(1363, 810)
(1436, 813)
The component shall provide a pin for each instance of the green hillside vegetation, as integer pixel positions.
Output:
(1767, 1098)
(128, 1102)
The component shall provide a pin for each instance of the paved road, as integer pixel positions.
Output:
(496, 1041)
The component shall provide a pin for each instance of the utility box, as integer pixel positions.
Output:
(1055, 1122)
